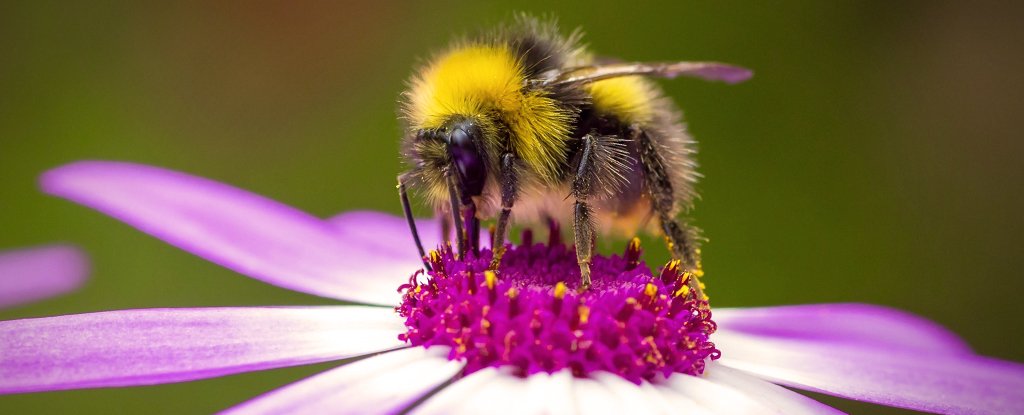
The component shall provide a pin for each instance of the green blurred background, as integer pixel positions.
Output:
(875, 157)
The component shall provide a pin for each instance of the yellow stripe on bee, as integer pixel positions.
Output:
(481, 81)
(628, 98)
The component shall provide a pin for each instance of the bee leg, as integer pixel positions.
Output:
(472, 224)
(403, 194)
(453, 199)
(446, 223)
(583, 231)
(583, 224)
(681, 240)
(509, 189)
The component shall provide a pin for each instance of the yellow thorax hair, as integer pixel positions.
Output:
(629, 98)
(487, 83)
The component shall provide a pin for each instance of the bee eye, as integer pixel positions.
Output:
(467, 160)
(459, 138)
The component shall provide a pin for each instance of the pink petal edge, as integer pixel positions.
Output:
(912, 379)
(863, 324)
(243, 231)
(153, 346)
(33, 274)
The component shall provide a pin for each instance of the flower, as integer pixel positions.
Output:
(854, 351)
(32, 274)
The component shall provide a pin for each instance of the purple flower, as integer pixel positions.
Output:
(32, 274)
(505, 342)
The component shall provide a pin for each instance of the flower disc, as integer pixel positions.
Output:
(528, 314)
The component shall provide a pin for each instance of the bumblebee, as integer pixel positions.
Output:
(523, 124)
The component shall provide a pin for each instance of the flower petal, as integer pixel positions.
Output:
(773, 397)
(144, 347)
(672, 401)
(237, 229)
(931, 382)
(33, 274)
(635, 397)
(494, 391)
(864, 324)
(549, 393)
(388, 232)
(387, 383)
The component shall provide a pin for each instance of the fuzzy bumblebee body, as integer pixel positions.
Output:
(525, 124)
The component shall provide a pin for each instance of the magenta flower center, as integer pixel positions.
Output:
(528, 314)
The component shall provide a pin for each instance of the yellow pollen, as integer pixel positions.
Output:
(560, 290)
(650, 290)
(434, 256)
(418, 289)
(634, 243)
(673, 265)
(702, 286)
(512, 292)
(490, 277)
(683, 291)
(584, 314)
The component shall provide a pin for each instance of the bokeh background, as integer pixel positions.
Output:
(875, 157)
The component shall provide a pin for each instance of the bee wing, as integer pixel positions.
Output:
(710, 71)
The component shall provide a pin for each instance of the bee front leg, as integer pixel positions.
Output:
(583, 223)
(509, 191)
(446, 223)
(403, 195)
(681, 239)
(456, 212)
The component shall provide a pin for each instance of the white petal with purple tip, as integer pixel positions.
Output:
(245, 232)
(33, 274)
(864, 324)
(145, 347)
(932, 382)
(387, 383)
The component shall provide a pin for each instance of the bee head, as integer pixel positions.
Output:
(464, 152)
(463, 139)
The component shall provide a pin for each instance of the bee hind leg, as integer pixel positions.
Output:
(680, 238)
(509, 190)
(583, 185)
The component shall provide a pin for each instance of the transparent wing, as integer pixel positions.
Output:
(710, 71)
